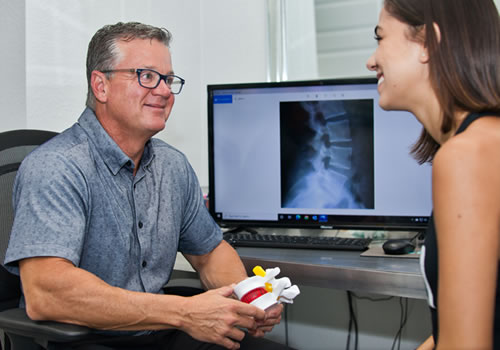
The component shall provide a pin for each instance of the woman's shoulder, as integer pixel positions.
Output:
(478, 142)
(472, 154)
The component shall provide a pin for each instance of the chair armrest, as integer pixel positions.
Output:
(16, 321)
(185, 287)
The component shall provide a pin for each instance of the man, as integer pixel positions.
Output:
(102, 209)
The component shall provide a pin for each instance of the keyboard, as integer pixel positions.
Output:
(300, 242)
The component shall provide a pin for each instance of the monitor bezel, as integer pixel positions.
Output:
(368, 222)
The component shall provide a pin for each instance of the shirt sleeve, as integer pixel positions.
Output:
(49, 198)
(199, 234)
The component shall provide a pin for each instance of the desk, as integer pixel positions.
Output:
(343, 270)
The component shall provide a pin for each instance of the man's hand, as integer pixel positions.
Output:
(273, 317)
(216, 318)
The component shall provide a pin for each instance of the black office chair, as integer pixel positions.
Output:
(17, 330)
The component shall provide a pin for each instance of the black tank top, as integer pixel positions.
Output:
(429, 260)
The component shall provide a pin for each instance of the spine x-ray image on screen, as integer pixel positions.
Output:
(327, 154)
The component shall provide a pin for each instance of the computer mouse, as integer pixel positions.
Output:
(398, 246)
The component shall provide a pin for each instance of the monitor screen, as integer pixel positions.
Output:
(310, 154)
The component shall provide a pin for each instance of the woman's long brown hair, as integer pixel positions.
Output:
(464, 57)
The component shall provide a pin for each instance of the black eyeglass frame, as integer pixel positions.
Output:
(140, 70)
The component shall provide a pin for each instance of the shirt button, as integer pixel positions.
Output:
(140, 224)
(144, 263)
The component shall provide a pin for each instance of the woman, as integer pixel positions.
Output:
(439, 59)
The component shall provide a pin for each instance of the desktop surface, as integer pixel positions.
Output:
(337, 269)
(345, 270)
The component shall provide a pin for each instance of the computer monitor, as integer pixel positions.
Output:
(313, 154)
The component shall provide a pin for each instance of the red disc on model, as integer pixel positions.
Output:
(253, 294)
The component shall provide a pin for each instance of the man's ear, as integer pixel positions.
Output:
(99, 85)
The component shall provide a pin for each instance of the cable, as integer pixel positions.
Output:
(402, 322)
(348, 345)
(352, 322)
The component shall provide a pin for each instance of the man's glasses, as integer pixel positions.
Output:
(150, 79)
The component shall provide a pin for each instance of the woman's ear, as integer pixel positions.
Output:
(424, 56)
(98, 83)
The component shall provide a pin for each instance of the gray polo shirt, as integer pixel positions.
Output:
(75, 197)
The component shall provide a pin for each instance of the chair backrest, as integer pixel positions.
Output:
(14, 146)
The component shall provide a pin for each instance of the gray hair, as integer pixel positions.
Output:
(103, 52)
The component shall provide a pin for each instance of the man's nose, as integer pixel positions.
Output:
(163, 88)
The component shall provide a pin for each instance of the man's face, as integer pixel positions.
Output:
(131, 109)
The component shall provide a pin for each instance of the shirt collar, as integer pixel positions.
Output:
(114, 158)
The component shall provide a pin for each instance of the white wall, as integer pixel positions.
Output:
(233, 49)
(292, 40)
(12, 65)
(345, 36)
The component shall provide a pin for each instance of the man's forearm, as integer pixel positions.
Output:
(56, 290)
(221, 267)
